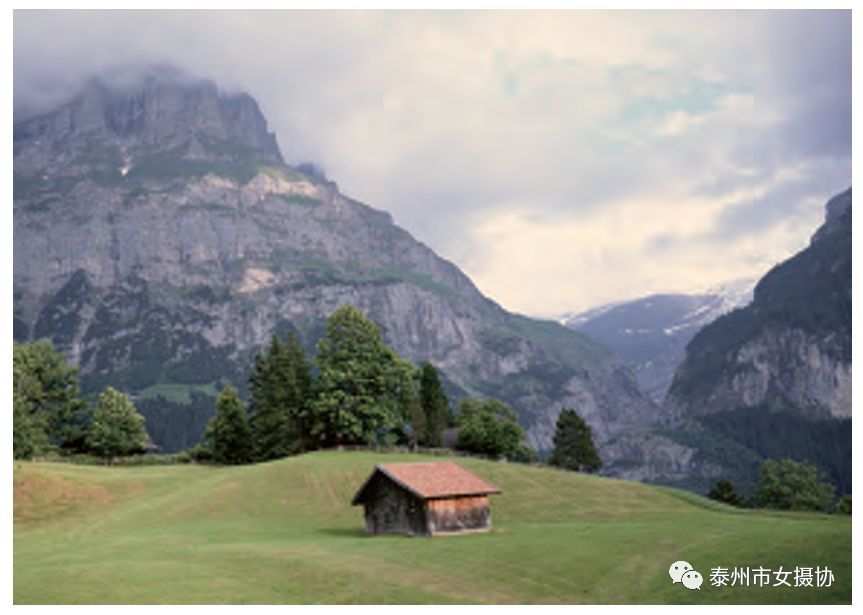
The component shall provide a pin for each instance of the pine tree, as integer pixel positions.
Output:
(416, 417)
(573, 444)
(117, 429)
(279, 386)
(228, 435)
(361, 384)
(435, 405)
(300, 365)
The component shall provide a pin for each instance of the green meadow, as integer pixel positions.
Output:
(284, 532)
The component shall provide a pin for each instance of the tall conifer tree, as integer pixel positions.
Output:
(435, 405)
(228, 434)
(279, 386)
(573, 444)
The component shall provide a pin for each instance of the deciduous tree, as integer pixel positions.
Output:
(490, 427)
(116, 429)
(792, 485)
(47, 409)
(362, 384)
(843, 506)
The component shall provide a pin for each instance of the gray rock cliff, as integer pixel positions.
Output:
(769, 380)
(159, 240)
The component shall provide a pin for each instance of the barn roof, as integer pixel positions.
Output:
(428, 480)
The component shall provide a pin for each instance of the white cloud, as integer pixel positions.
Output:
(545, 152)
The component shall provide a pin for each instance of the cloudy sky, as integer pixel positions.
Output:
(562, 159)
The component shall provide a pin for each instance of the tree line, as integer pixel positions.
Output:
(48, 414)
(785, 484)
(356, 391)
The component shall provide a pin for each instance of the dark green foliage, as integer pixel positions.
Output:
(436, 413)
(740, 441)
(843, 506)
(792, 485)
(28, 430)
(300, 366)
(228, 434)
(116, 429)
(207, 364)
(47, 408)
(29, 437)
(200, 453)
(724, 491)
(773, 434)
(416, 418)
(362, 384)
(489, 427)
(573, 444)
(279, 386)
(176, 426)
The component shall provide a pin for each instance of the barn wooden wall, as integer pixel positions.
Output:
(459, 513)
(390, 509)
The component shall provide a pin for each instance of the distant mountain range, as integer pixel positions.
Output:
(160, 239)
(651, 333)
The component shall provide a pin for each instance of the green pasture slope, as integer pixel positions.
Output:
(284, 532)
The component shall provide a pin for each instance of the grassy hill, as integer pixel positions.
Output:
(284, 532)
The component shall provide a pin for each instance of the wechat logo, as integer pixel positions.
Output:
(683, 572)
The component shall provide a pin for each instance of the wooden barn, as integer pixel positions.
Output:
(425, 499)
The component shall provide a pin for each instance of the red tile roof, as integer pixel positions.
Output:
(436, 479)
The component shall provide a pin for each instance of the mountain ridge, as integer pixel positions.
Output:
(160, 240)
(651, 333)
(768, 380)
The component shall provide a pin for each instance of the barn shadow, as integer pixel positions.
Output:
(352, 532)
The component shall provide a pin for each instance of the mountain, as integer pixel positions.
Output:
(160, 239)
(768, 380)
(651, 333)
(789, 349)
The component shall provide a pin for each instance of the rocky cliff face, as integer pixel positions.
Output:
(791, 348)
(785, 367)
(770, 380)
(160, 240)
